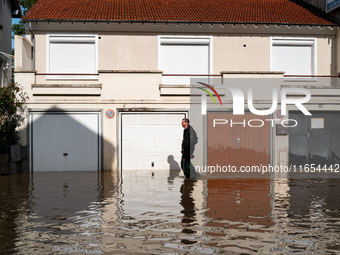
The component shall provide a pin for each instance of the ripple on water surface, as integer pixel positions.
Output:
(160, 212)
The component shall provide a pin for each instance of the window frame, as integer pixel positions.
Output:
(295, 41)
(50, 76)
(187, 38)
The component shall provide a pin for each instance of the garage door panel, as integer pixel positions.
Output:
(238, 145)
(152, 138)
(65, 142)
(149, 139)
(159, 137)
(151, 119)
(138, 145)
(164, 132)
(162, 129)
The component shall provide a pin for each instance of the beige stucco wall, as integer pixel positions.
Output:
(326, 56)
(229, 53)
(23, 53)
(115, 52)
(252, 53)
(40, 52)
(127, 52)
(27, 63)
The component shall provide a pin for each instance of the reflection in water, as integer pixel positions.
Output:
(239, 200)
(187, 201)
(15, 204)
(309, 215)
(142, 212)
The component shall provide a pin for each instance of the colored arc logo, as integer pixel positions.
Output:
(213, 90)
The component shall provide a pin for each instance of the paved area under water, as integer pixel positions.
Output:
(160, 212)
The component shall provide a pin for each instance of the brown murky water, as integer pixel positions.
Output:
(162, 213)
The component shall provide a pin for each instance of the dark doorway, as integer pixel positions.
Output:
(315, 139)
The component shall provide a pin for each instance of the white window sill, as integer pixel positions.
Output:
(301, 79)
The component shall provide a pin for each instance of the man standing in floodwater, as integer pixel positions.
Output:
(188, 147)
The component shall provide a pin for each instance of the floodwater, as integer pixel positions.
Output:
(160, 212)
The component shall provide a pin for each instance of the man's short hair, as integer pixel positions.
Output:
(186, 120)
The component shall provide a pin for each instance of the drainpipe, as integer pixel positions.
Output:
(33, 42)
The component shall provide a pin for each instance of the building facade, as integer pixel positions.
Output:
(108, 91)
(8, 9)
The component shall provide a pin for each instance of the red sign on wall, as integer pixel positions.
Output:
(110, 114)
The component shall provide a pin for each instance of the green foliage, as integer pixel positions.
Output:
(26, 5)
(18, 29)
(12, 99)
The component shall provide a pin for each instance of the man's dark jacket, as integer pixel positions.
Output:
(187, 146)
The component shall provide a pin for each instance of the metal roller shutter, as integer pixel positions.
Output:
(294, 57)
(65, 141)
(149, 141)
(183, 56)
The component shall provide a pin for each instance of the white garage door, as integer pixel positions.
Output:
(151, 141)
(65, 141)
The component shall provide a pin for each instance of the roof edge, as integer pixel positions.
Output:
(180, 22)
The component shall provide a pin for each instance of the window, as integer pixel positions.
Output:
(294, 56)
(72, 54)
(183, 55)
